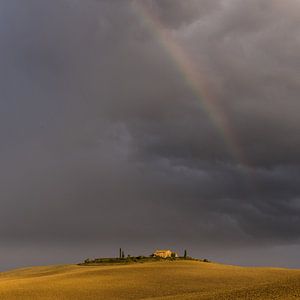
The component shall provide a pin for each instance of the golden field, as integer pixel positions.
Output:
(153, 280)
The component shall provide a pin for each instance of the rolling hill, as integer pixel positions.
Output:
(153, 280)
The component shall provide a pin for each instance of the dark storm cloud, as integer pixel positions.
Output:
(103, 140)
(176, 13)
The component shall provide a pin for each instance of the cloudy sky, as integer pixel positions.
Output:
(149, 124)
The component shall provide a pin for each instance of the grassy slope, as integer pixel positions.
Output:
(161, 280)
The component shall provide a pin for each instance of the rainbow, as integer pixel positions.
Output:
(196, 82)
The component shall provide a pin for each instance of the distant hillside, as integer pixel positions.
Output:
(135, 259)
(153, 280)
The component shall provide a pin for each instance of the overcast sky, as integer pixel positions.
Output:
(105, 143)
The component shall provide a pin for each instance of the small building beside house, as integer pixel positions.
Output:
(164, 253)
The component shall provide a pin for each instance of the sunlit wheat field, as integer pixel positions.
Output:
(158, 280)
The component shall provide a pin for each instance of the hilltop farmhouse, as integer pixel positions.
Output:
(164, 253)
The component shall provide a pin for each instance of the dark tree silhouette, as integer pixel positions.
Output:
(185, 254)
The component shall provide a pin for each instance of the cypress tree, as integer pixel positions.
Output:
(185, 254)
(120, 253)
